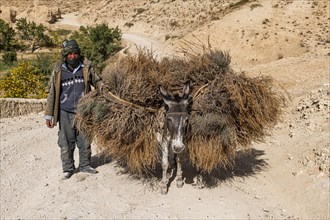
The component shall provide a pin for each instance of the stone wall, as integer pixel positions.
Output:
(12, 107)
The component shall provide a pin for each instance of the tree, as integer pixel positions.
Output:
(98, 43)
(9, 57)
(8, 43)
(7, 37)
(30, 31)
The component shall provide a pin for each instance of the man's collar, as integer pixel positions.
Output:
(76, 69)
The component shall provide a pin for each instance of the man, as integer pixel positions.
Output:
(70, 80)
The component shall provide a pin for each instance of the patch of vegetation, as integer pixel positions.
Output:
(98, 43)
(8, 41)
(23, 81)
(9, 57)
(4, 67)
(34, 33)
(63, 32)
(44, 63)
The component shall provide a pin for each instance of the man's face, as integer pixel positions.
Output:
(72, 55)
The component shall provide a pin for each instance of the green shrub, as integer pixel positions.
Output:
(9, 57)
(98, 43)
(7, 37)
(23, 81)
(44, 64)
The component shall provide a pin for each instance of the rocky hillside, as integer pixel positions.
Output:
(255, 31)
(164, 15)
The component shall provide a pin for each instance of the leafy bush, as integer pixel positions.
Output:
(98, 43)
(63, 32)
(7, 39)
(44, 64)
(23, 81)
(9, 57)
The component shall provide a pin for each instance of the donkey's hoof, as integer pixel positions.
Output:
(201, 186)
(163, 190)
(179, 183)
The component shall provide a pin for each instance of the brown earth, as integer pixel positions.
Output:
(285, 177)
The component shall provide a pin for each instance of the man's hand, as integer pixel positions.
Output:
(49, 123)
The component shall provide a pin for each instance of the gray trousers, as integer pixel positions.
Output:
(68, 137)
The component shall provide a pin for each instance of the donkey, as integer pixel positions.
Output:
(175, 133)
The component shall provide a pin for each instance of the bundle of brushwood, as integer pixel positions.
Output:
(229, 110)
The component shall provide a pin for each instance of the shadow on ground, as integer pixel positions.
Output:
(246, 164)
(100, 160)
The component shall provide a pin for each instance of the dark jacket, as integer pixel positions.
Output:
(91, 78)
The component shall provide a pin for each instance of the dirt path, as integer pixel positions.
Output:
(285, 177)
(269, 183)
(136, 42)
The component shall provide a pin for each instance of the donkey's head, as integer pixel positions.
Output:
(176, 118)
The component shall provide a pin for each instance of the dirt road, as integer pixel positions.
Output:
(272, 182)
(285, 177)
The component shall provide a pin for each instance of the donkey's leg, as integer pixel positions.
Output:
(172, 159)
(198, 180)
(164, 181)
(179, 181)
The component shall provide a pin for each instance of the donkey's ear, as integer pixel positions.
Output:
(163, 92)
(186, 90)
(166, 97)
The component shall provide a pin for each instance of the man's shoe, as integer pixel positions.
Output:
(66, 175)
(88, 169)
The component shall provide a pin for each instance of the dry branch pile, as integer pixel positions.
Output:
(229, 110)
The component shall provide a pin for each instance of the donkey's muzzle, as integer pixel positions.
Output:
(178, 148)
